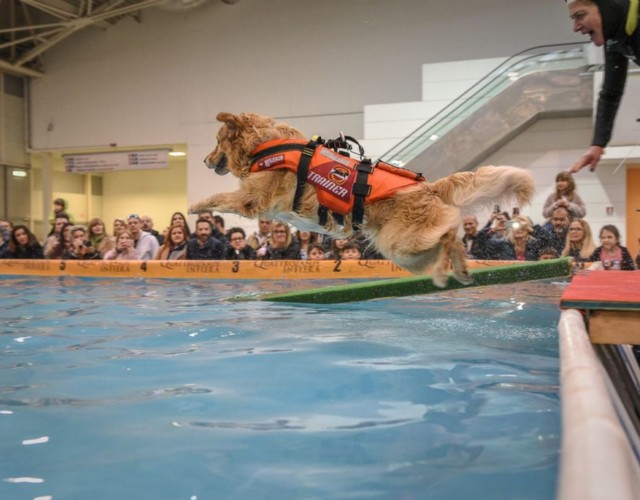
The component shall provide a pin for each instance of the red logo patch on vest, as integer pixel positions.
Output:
(333, 178)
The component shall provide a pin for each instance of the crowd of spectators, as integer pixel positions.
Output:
(505, 236)
(565, 232)
(134, 238)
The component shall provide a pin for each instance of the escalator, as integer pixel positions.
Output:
(542, 82)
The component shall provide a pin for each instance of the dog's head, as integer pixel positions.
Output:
(239, 136)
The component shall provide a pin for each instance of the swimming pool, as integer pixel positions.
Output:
(161, 389)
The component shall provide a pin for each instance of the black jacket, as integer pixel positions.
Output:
(213, 249)
(618, 48)
(247, 253)
(292, 252)
(33, 251)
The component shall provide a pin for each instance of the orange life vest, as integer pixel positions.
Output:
(338, 179)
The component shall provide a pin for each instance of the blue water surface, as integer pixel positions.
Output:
(158, 389)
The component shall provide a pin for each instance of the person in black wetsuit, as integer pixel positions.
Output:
(612, 24)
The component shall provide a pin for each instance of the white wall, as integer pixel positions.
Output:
(387, 124)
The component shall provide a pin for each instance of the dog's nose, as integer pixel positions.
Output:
(219, 167)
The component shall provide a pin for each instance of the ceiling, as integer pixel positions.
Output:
(28, 28)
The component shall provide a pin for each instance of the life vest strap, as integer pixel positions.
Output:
(280, 148)
(303, 169)
(361, 189)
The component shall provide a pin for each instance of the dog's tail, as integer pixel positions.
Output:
(472, 190)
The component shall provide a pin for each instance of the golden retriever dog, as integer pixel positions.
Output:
(415, 227)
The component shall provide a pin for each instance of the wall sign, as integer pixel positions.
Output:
(121, 160)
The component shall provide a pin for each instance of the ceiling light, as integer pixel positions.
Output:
(434, 137)
(19, 173)
(177, 153)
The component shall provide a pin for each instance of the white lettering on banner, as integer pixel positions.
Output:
(117, 160)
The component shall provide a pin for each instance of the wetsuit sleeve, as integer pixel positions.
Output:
(615, 77)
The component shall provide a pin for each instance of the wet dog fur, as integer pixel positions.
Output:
(416, 228)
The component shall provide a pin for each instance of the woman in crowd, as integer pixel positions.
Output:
(24, 245)
(124, 249)
(335, 250)
(119, 225)
(238, 249)
(611, 254)
(282, 245)
(565, 196)
(55, 250)
(304, 240)
(523, 245)
(179, 218)
(175, 244)
(580, 243)
(99, 238)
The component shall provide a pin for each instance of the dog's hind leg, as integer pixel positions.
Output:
(454, 250)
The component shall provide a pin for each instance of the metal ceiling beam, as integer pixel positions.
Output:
(19, 70)
(40, 37)
(40, 48)
(72, 17)
(59, 9)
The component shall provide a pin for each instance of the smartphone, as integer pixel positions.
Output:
(496, 209)
(516, 211)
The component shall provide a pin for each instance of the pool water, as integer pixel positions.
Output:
(157, 389)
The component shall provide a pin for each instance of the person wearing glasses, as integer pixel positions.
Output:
(579, 245)
(146, 245)
(612, 24)
(238, 249)
(281, 246)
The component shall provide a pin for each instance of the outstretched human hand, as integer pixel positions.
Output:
(590, 158)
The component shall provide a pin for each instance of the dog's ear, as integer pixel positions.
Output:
(232, 121)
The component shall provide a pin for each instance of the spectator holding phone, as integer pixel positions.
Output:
(124, 249)
(81, 247)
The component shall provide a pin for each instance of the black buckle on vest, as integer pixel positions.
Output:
(362, 189)
(365, 166)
